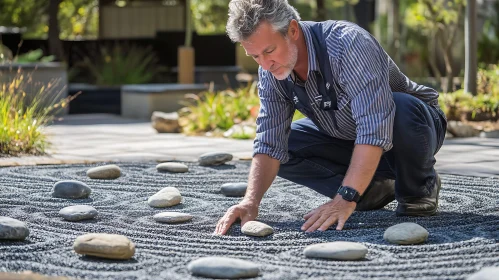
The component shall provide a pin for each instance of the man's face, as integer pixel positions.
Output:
(272, 51)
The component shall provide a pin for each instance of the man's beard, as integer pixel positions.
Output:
(293, 57)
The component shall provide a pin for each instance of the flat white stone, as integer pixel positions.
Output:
(223, 267)
(406, 234)
(166, 197)
(486, 273)
(255, 228)
(172, 167)
(110, 246)
(172, 217)
(338, 250)
(78, 212)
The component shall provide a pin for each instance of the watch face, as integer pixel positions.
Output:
(349, 194)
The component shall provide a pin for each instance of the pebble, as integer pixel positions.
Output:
(234, 189)
(78, 213)
(406, 234)
(172, 217)
(172, 167)
(214, 158)
(486, 273)
(166, 197)
(71, 189)
(12, 229)
(255, 228)
(338, 250)
(109, 246)
(223, 267)
(110, 171)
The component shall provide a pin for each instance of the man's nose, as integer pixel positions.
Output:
(266, 63)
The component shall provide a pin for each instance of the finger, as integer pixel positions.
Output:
(318, 223)
(311, 220)
(329, 222)
(222, 221)
(341, 223)
(227, 223)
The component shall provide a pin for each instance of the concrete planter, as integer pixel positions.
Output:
(42, 75)
(95, 99)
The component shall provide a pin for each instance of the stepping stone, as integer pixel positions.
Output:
(110, 171)
(78, 213)
(172, 217)
(172, 167)
(234, 189)
(223, 267)
(109, 246)
(255, 228)
(486, 273)
(406, 233)
(71, 189)
(28, 275)
(214, 158)
(339, 250)
(166, 197)
(12, 229)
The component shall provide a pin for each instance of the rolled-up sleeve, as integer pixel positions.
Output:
(364, 76)
(273, 123)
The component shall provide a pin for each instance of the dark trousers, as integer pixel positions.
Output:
(320, 162)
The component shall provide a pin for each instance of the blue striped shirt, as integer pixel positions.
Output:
(366, 79)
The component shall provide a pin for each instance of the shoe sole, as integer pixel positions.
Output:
(427, 213)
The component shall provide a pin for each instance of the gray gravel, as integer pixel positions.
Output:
(463, 237)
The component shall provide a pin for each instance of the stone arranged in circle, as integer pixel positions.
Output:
(172, 167)
(223, 267)
(12, 229)
(78, 213)
(234, 189)
(406, 234)
(214, 158)
(110, 171)
(255, 228)
(338, 250)
(172, 217)
(71, 189)
(103, 245)
(486, 273)
(166, 197)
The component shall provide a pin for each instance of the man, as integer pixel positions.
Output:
(370, 135)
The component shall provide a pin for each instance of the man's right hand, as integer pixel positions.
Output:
(245, 211)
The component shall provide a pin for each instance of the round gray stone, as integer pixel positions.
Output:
(172, 217)
(223, 267)
(110, 171)
(338, 250)
(486, 273)
(255, 228)
(214, 158)
(406, 234)
(78, 213)
(12, 229)
(234, 189)
(172, 167)
(166, 197)
(71, 189)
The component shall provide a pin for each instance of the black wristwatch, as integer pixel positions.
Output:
(349, 194)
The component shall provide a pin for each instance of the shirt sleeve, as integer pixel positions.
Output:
(273, 123)
(364, 77)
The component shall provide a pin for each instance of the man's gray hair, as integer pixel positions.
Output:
(246, 15)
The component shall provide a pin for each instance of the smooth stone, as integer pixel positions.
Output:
(110, 171)
(405, 234)
(255, 228)
(78, 213)
(109, 246)
(172, 167)
(172, 217)
(71, 189)
(486, 273)
(234, 189)
(166, 197)
(12, 229)
(338, 250)
(214, 158)
(223, 267)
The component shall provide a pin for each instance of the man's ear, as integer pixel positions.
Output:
(293, 30)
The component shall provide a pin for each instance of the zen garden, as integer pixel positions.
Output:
(255, 139)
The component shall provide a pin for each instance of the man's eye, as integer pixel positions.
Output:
(271, 51)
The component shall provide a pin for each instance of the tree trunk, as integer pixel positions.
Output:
(321, 10)
(394, 30)
(55, 44)
(470, 41)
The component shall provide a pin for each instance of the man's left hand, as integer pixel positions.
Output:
(337, 210)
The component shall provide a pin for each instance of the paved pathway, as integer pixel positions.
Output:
(98, 137)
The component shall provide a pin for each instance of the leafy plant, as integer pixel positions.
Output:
(22, 116)
(33, 56)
